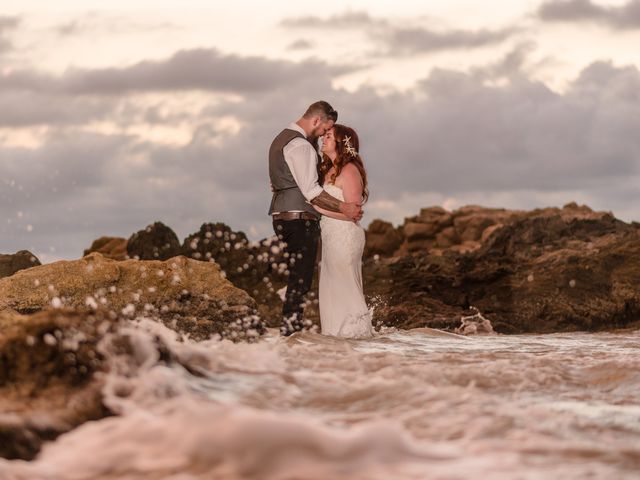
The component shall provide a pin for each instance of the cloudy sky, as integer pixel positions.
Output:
(114, 117)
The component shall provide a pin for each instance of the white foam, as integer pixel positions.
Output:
(404, 405)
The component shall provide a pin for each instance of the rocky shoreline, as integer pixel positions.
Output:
(553, 270)
(472, 270)
(539, 271)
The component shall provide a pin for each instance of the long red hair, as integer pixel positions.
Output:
(344, 156)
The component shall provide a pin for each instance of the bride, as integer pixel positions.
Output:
(343, 310)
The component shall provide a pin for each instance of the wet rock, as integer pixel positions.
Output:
(437, 216)
(465, 247)
(48, 384)
(419, 231)
(259, 268)
(470, 227)
(10, 264)
(436, 230)
(156, 242)
(216, 242)
(550, 270)
(447, 238)
(381, 239)
(475, 324)
(188, 296)
(487, 232)
(110, 247)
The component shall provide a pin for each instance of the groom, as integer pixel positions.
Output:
(294, 182)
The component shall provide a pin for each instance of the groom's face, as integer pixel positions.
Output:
(323, 125)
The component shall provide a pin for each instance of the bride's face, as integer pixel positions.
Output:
(329, 142)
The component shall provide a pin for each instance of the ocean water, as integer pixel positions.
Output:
(419, 404)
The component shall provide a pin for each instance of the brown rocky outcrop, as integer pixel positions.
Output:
(256, 267)
(47, 381)
(436, 230)
(188, 296)
(156, 242)
(114, 248)
(382, 239)
(10, 264)
(549, 270)
(437, 285)
(53, 369)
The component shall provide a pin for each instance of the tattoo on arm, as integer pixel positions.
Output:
(326, 201)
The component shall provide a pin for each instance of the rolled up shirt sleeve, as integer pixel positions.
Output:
(301, 159)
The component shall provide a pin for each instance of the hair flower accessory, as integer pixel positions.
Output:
(348, 147)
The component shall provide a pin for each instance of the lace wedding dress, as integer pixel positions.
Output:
(343, 310)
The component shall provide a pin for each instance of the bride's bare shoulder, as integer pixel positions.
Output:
(350, 173)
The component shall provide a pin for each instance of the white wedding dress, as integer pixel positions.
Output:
(343, 310)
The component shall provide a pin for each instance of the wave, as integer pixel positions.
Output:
(403, 405)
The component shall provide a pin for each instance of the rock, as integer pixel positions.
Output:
(381, 239)
(447, 237)
(471, 227)
(543, 271)
(156, 242)
(419, 231)
(580, 211)
(470, 210)
(431, 212)
(188, 296)
(437, 216)
(217, 242)
(467, 246)
(256, 267)
(489, 230)
(10, 264)
(110, 247)
(379, 227)
(419, 245)
(475, 324)
(47, 382)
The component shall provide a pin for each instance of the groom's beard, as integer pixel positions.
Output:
(317, 144)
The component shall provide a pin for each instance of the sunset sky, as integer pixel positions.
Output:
(114, 117)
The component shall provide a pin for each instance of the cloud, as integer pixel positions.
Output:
(95, 23)
(622, 17)
(197, 69)
(7, 24)
(346, 20)
(300, 44)
(77, 185)
(457, 137)
(478, 137)
(31, 97)
(400, 38)
(409, 41)
(514, 64)
(20, 108)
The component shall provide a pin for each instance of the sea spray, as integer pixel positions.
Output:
(404, 405)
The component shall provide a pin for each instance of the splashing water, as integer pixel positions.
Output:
(419, 404)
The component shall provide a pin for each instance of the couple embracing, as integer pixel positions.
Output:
(320, 195)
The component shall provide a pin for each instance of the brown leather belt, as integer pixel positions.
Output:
(294, 216)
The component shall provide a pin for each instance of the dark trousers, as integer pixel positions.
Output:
(301, 239)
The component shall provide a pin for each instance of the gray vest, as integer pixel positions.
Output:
(286, 193)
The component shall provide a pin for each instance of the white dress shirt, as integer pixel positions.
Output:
(302, 158)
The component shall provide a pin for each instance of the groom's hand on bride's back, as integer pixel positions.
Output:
(352, 210)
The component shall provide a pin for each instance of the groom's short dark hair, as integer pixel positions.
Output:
(322, 109)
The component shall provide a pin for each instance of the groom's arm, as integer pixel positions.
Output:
(301, 159)
(327, 202)
(352, 211)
